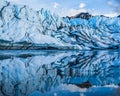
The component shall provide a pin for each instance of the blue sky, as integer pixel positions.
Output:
(72, 7)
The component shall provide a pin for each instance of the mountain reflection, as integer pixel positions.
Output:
(37, 73)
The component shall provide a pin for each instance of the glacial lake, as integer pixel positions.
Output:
(59, 73)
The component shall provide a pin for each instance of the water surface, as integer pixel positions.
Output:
(59, 73)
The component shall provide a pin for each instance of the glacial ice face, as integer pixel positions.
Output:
(23, 24)
(98, 32)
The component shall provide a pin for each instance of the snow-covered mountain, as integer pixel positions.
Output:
(22, 28)
(81, 15)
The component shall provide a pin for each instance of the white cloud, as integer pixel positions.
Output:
(108, 14)
(55, 5)
(73, 12)
(111, 14)
(32, 4)
(15, 1)
(110, 3)
(115, 6)
(82, 5)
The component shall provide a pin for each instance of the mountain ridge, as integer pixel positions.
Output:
(86, 15)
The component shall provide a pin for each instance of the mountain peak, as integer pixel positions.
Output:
(83, 15)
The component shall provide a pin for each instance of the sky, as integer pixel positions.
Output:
(72, 7)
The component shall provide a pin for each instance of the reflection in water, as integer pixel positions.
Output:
(51, 73)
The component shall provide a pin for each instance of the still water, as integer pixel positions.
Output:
(59, 73)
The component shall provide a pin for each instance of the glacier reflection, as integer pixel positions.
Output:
(51, 73)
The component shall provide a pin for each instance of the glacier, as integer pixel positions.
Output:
(99, 32)
(22, 27)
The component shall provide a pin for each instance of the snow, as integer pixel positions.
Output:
(44, 39)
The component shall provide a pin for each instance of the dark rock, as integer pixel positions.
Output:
(84, 85)
(83, 16)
